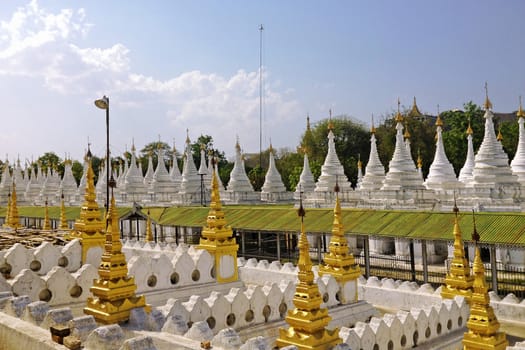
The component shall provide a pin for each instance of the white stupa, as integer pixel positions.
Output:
(203, 169)
(148, 177)
(81, 189)
(332, 170)
(306, 183)
(402, 173)
(239, 181)
(273, 189)
(68, 186)
(50, 187)
(32, 190)
(491, 163)
(175, 174)
(18, 175)
(133, 189)
(441, 175)
(239, 187)
(374, 171)
(100, 187)
(5, 183)
(518, 163)
(162, 188)
(465, 174)
(122, 175)
(190, 186)
(359, 173)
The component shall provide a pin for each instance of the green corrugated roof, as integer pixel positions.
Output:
(502, 228)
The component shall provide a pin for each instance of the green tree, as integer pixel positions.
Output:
(77, 168)
(152, 149)
(421, 130)
(50, 161)
(455, 124)
(351, 139)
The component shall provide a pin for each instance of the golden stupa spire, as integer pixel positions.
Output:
(482, 323)
(487, 104)
(149, 234)
(47, 223)
(414, 111)
(330, 124)
(373, 128)
(439, 122)
(419, 159)
(500, 136)
(469, 128)
(339, 261)
(406, 135)
(237, 144)
(307, 321)
(63, 218)
(89, 227)
(8, 211)
(217, 237)
(458, 280)
(114, 291)
(14, 218)
(520, 113)
(398, 118)
(359, 162)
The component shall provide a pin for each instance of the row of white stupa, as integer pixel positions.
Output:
(485, 182)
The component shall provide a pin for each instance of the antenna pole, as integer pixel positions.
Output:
(260, 94)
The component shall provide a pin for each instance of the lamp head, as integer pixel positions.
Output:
(102, 103)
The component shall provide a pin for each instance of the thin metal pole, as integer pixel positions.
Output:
(260, 95)
(494, 268)
(425, 262)
(108, 163)
(366, 248)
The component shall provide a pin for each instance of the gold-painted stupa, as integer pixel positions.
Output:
(339, 261)
(89, 227)
(13, 220)
(63, 219)
(149, 234)
(414, 111)
(114, 291)
(217, 238)
(47, 222)
(307, 320)
(482, 323)
(458, 280)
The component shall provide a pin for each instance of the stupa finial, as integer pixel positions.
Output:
(520, 113)
(398, 118)
(330, 124)
(487, 104)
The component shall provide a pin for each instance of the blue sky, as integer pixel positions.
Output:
(168, 66)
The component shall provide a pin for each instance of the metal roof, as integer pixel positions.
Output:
(498, 228)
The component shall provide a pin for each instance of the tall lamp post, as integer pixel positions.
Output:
(103, 103)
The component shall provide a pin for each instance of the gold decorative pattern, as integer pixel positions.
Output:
(482, 324)
(89, 228)
(217, 238)
(339, 261)
(114, 291)
(307, 320)
(458, 280)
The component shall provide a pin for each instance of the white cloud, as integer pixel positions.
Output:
(43, 46)
(113, 59)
